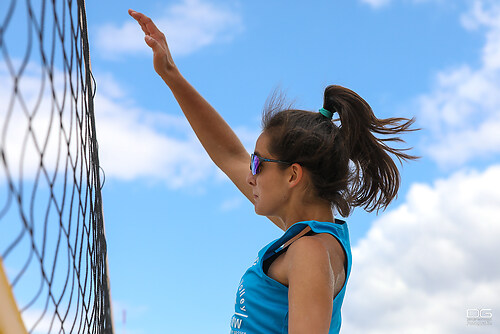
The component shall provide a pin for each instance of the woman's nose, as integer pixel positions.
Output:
(251, 178)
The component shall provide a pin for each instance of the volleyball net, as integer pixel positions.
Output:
(52, 242)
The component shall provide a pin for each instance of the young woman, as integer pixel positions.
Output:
(303, 168)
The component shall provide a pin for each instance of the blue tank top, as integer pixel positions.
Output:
(261, 305)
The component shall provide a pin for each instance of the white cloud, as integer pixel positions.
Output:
(486, 13)
(133, 143)
(422, 265)
(463, 110)
(30, 122)
(136, 143)
(189, 26)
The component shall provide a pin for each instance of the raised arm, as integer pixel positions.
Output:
(219, 140)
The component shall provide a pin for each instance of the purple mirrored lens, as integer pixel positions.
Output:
(254, 164)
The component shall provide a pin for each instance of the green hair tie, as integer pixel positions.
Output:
(326, 113)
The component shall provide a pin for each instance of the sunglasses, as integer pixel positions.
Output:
(255, 162)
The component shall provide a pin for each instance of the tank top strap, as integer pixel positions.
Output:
(338, 229)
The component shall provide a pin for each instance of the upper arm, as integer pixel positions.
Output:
(237, 169)
(311, 286)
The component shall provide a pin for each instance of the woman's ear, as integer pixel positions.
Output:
(296, 173)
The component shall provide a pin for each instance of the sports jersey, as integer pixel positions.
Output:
(261, 305)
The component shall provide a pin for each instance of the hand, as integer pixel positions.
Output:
(162, 59)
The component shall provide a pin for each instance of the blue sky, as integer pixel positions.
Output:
(180, 235)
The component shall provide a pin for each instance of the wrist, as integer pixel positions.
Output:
(171, 75)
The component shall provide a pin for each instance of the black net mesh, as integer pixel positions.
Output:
(51, 225)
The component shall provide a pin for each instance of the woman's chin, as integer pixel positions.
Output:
(262, 211)
(258, 210)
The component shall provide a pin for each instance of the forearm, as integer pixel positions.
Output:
(216, 136)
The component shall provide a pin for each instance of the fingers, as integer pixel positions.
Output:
(151, 42)
(136, 15)
(139, 17)
(151, 27)
(146, 23)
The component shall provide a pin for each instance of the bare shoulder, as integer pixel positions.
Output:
(321, 246)
(308, 247)
(319, 258)
(308, 254)
(312, 284)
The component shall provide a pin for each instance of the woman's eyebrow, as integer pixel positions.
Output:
(256, 153)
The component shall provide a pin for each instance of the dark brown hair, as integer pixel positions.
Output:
(348, 164)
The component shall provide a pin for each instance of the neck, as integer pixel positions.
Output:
(319, 211)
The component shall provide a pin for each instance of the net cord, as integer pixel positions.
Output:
(108, 323)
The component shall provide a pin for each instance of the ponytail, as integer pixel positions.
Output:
(374, 178)
(348, 164)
